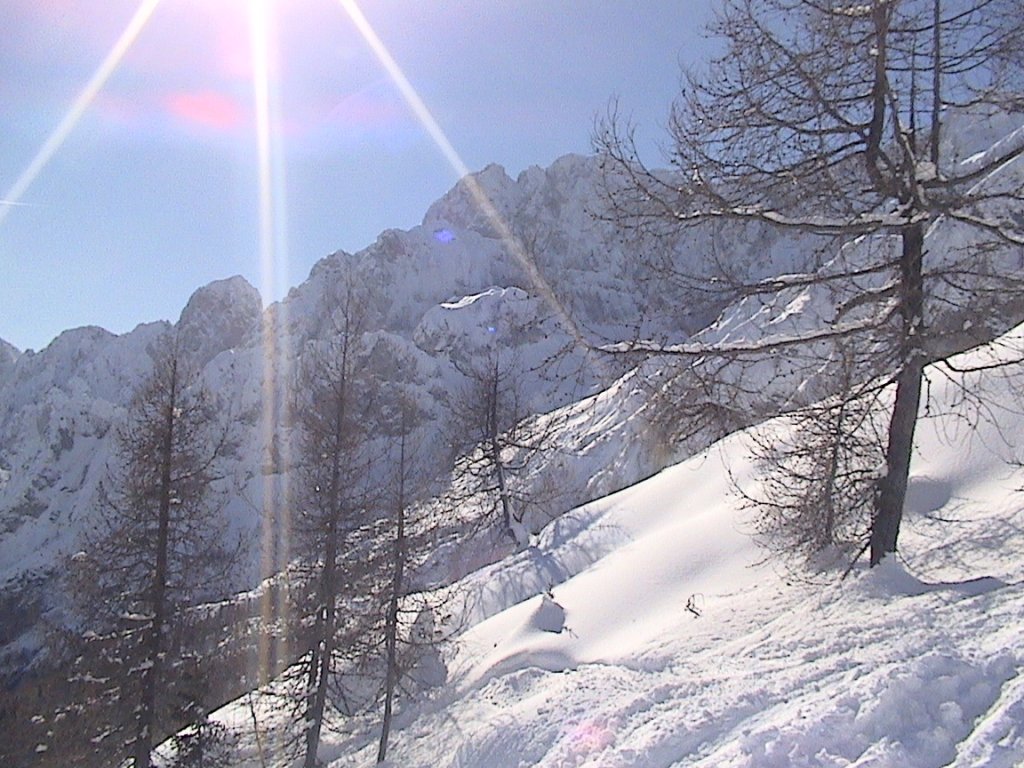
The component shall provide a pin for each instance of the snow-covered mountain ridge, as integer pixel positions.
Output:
(442, 293)
(416, 282)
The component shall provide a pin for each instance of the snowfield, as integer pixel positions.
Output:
(646, 629)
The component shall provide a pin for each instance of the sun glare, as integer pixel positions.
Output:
(208, 107)
(276, 507)
(437, 134)
(64, 128)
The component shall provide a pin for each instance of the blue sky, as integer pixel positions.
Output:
(156, 191)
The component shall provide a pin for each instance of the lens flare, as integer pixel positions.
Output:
(208, 108)
(275, 523)
(514, 245)
(60, 134)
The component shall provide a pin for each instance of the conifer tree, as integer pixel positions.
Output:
(158, 549)
(334, 493)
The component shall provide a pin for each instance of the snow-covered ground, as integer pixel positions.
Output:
(584, 650)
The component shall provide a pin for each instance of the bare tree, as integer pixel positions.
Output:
(820, 465)
(160, 546)
(396, 588)
(487, 418)
(833, 120)
(400, 639)
(488, 410)
(334, 485)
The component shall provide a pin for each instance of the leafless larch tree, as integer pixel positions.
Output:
(846, 124)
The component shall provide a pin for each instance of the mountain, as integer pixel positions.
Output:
(9, 354)
(449, 295)
(446, 294)
(226, 314)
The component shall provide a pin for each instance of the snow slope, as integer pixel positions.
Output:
(917, 663)
(436, 293)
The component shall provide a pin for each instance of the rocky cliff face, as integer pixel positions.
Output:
(9, 355)
(225, 314)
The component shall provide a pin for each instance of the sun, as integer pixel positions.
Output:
(249, 30)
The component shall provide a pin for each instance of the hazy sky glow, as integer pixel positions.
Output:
(154, 188)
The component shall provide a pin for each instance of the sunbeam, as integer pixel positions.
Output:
(271, 242)
(275, 523)
(437, 134)
(60, 134)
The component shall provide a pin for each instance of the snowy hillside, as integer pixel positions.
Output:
(635, 630)
(664, 640)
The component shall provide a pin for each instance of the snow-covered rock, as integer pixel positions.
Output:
(9, 355)
(220, 316)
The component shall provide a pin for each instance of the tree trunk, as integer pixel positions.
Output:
(503, 494)
(326, 628)
(892, 489)
(320, 664)
(494, 448)
(318, 700)
(936, 126)
(391, 625)
(154, 650)
(828, 532)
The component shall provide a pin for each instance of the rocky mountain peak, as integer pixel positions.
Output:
(9, 355)
(220, 316)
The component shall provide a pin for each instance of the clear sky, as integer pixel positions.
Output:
(113, 213)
